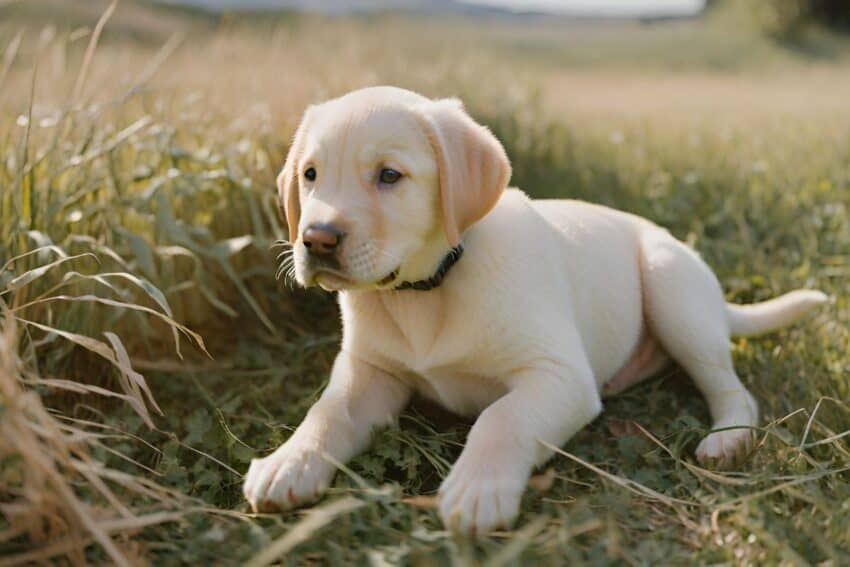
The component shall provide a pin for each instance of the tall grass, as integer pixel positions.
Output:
(148, 352)
(103, 251)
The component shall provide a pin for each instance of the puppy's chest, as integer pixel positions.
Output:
(446, 374)
(439, 355)
(419, 334)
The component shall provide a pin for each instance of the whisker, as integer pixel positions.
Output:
(280, 243)
(285, 267)
(290, 277)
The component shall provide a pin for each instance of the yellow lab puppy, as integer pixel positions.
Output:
(523, 313)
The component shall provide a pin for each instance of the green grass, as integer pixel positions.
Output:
(170, 180)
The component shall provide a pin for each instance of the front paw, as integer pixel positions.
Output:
(725, 448)
(291, 476)
(476, 501)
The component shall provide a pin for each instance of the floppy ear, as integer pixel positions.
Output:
(287, 181)
(473, 166)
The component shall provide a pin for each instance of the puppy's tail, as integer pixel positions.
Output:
(767, 316)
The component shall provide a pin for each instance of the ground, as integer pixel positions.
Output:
(158, 154)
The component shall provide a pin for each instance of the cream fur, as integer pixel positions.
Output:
(545, 307)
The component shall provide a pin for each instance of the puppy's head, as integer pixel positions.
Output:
(380, 183)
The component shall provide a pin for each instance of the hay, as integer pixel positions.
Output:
(56, 498)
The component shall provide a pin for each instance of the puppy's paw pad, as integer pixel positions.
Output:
(285, 479)
(725, 448)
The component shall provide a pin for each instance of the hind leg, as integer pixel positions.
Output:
(687, 313)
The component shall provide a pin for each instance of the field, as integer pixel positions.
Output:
(148, 353)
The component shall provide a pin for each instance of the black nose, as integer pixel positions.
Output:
(322, 239)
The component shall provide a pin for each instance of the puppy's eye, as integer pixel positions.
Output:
(310, 174)
(389, 176)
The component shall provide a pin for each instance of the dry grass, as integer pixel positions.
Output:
(57, 499)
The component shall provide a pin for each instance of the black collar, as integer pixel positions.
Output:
(446, 264)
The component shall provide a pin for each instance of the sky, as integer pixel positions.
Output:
(620, 8)
(610, 8)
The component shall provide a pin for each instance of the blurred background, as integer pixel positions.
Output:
(148, 351)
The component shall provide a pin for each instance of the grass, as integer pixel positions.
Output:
(138, 183)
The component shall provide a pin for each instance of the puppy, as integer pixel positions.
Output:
(524, 313)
